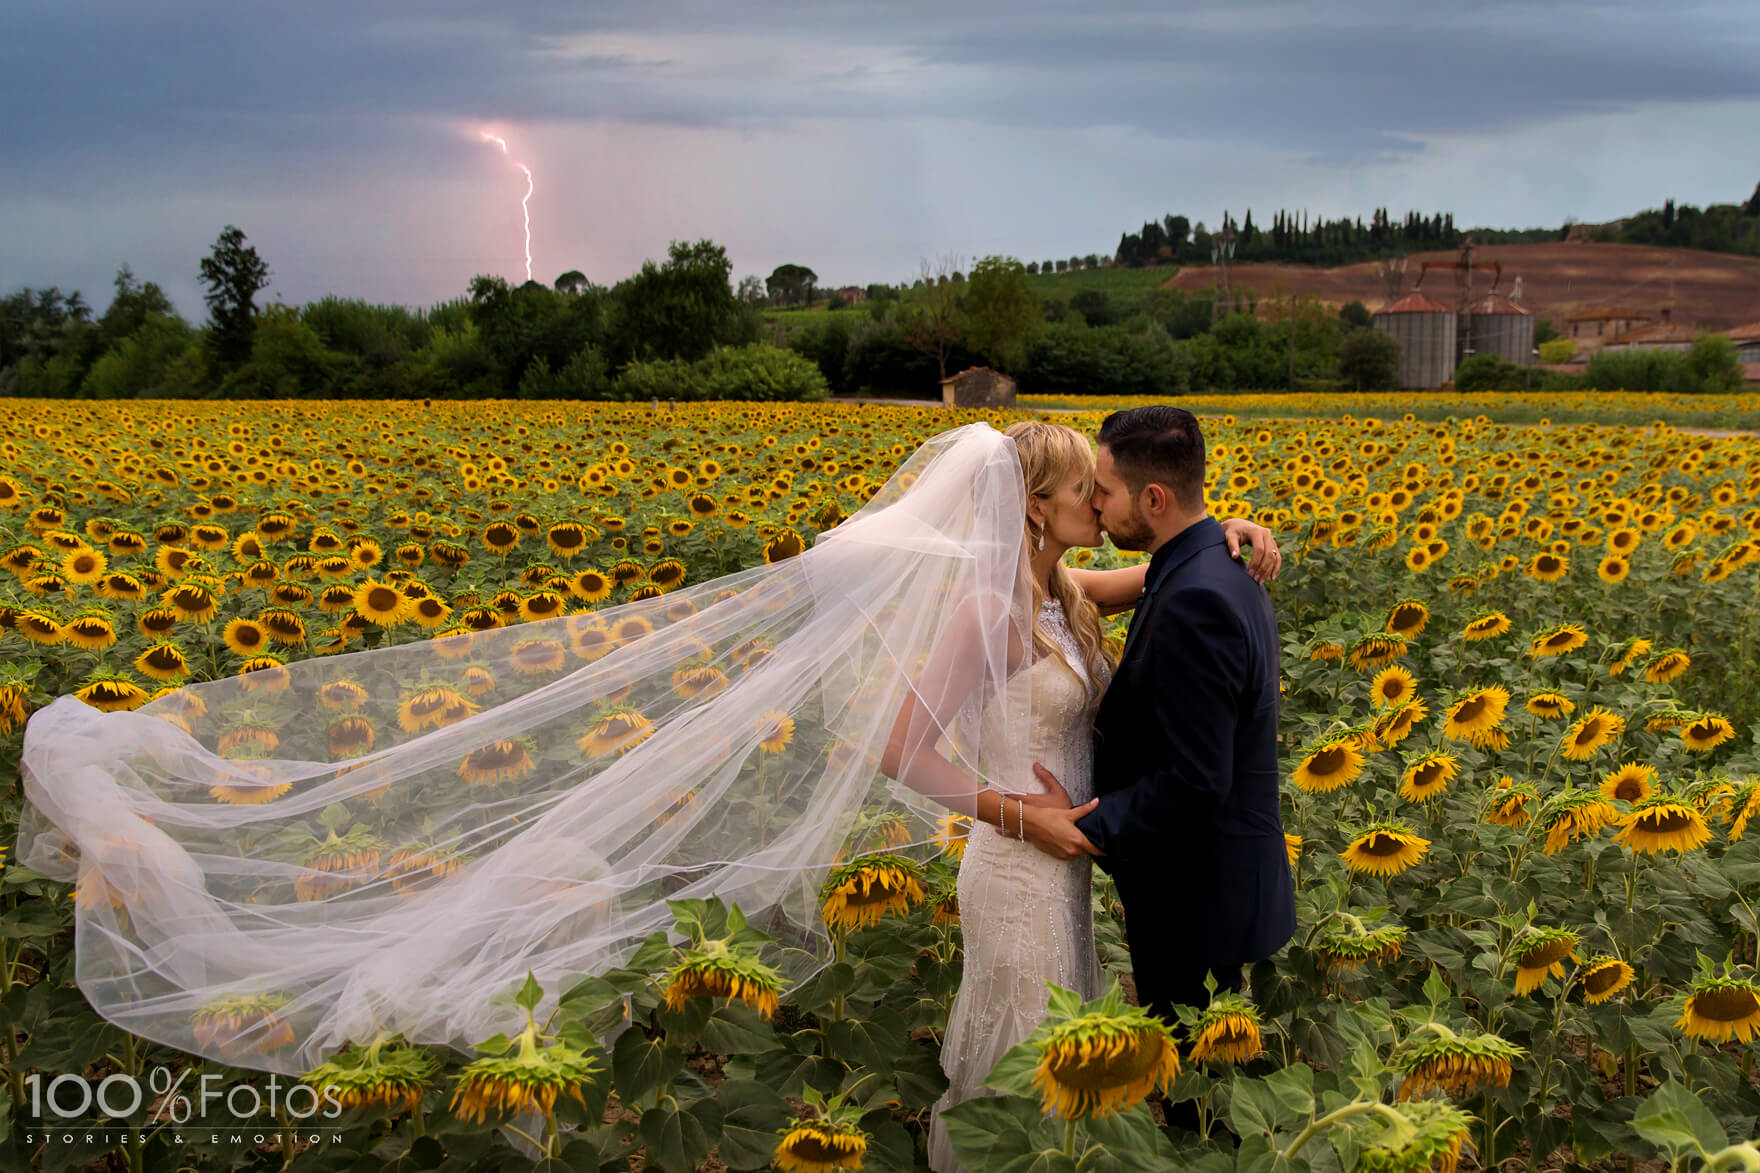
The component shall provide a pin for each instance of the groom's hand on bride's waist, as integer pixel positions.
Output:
(1048, 821)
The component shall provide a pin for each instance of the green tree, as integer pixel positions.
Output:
(234, 274)
(1557, 350)
(1356, 316)
(1001, 310)
(792, 283)
(1713, 360)
(682, 308)
(573, 281)
(933, 322)
(1368, 360)
(1544, 331)
(131, 306)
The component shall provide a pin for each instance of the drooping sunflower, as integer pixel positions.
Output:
(1663, 824)
(1475, 715)
(717, 969)
(1375, 649)
(1228, 1032)
(1330, 764)
(1392, 686)
(1666, 666)
(821, 1146)
(1486, 625)
(1347, 944)
(1627, 654)
(1573, 815)
(1551, 705)
(702, 680)
(1603, 978)
(617, 732)
(1435, 1058)
(1557, 641)
(1508, 802)
(953, 833)
(1397, 723)
(528, 1078)
(499, 760)
(1326, 650)
(1429, 1135)
(786, 544)
(1719, 1009)
(1543, 953)
(1592, 730)
(775, 731)
(1105, 1059)
(1629, 782)
(1385, 849)
(860, 892)
(1408, 618)
(244, 1024)
(386, 1073)
(1427, 775)
(1707, 732)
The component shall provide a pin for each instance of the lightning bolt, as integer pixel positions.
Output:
(525, 201)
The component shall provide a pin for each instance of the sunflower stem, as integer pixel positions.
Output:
(1339, 1116)
(1069, 1138)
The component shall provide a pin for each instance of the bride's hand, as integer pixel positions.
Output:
(1267, 558)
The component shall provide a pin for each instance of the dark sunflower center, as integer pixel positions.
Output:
(1599, 981)
(1140, 1057)
(1702, 731)
(1381, 843)
(1728, 1005)
(1427, 775)
(1328, 761)
(1545, 956)
(1471, 710)
(1662, 822)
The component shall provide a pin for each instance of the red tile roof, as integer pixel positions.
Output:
(1611, 315)
(1496, 303)
(1656, 335)
(1748, 333)
(1415, 303)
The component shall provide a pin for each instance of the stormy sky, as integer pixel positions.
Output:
(345, 138)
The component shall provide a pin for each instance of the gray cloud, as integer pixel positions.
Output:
(187, 107)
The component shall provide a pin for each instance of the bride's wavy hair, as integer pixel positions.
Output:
(1049, 453)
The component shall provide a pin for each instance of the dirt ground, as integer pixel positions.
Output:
(1711, 291)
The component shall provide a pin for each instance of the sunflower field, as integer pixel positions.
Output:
(1519, 734)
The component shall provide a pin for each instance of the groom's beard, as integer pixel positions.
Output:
(1133, 533)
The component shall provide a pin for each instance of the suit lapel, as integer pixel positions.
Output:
(1198, 536)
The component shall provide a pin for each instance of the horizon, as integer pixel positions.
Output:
(347, 144)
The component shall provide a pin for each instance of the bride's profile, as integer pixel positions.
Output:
(270, 865)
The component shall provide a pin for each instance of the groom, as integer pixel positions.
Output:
(1185, 739)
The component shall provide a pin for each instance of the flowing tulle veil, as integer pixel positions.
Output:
(390, 839)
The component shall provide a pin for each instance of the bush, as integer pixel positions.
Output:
(1068, 359)
(149, 362)
(1709, 367)
(1368, 360)
(1489, 372)
(1556, 350)
(758, 371)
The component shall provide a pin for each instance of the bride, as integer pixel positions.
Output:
(1027, 918)
(271, 864)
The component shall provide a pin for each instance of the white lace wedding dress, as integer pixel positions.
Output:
(1027, 919)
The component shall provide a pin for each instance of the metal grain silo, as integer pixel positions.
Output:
(1426, 333)
(1501, 327)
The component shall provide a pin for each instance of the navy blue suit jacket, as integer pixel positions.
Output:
(1185, 761)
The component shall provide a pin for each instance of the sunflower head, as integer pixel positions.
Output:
(1508, 802)
(1435, 1058)
(1384, 849)
(1706, 731)
(1663, 823)
(1486, 625)
(1557, 641)
(1227, 1031)
(1397, 723)
(1541, 953)
(1101, 1057)
(1347, 944)
(1427, 775)
(1720, 1007)
(1330, 763)
(860, 892)
(386, 1072)
(723, 969)
(1575, 814)
(1603, 978)
(826, 1143)
(1414, 1135)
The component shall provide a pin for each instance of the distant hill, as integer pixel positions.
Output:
(1712, 291)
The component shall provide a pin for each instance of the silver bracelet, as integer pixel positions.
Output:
(1002, 812)
(1021, 814)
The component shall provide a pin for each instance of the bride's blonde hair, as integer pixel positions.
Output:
(1048, 454)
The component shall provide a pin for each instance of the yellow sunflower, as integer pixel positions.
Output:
(1661, 824)
(1385, 849)
(1591, 731)
(1392, 686)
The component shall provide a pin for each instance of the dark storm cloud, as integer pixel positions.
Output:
(1330, 80)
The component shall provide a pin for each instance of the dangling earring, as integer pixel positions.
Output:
(1039, 539)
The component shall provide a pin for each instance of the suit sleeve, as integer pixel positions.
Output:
(1198, 659)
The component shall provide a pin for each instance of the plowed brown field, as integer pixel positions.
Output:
(1713, 291)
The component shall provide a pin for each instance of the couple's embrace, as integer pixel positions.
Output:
(391, 840)
(1162, 767)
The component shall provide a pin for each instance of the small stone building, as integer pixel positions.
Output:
(977, 387)
(1747, 340)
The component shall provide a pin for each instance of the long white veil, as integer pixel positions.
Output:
(389, 838)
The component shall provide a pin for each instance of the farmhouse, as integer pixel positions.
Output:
(1747, 340)
(853, 294)
(1662, 336)
(1610, 322)
(977, 387)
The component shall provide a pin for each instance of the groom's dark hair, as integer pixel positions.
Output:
(1158, 444)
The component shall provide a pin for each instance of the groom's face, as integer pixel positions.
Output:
(1117, 507)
